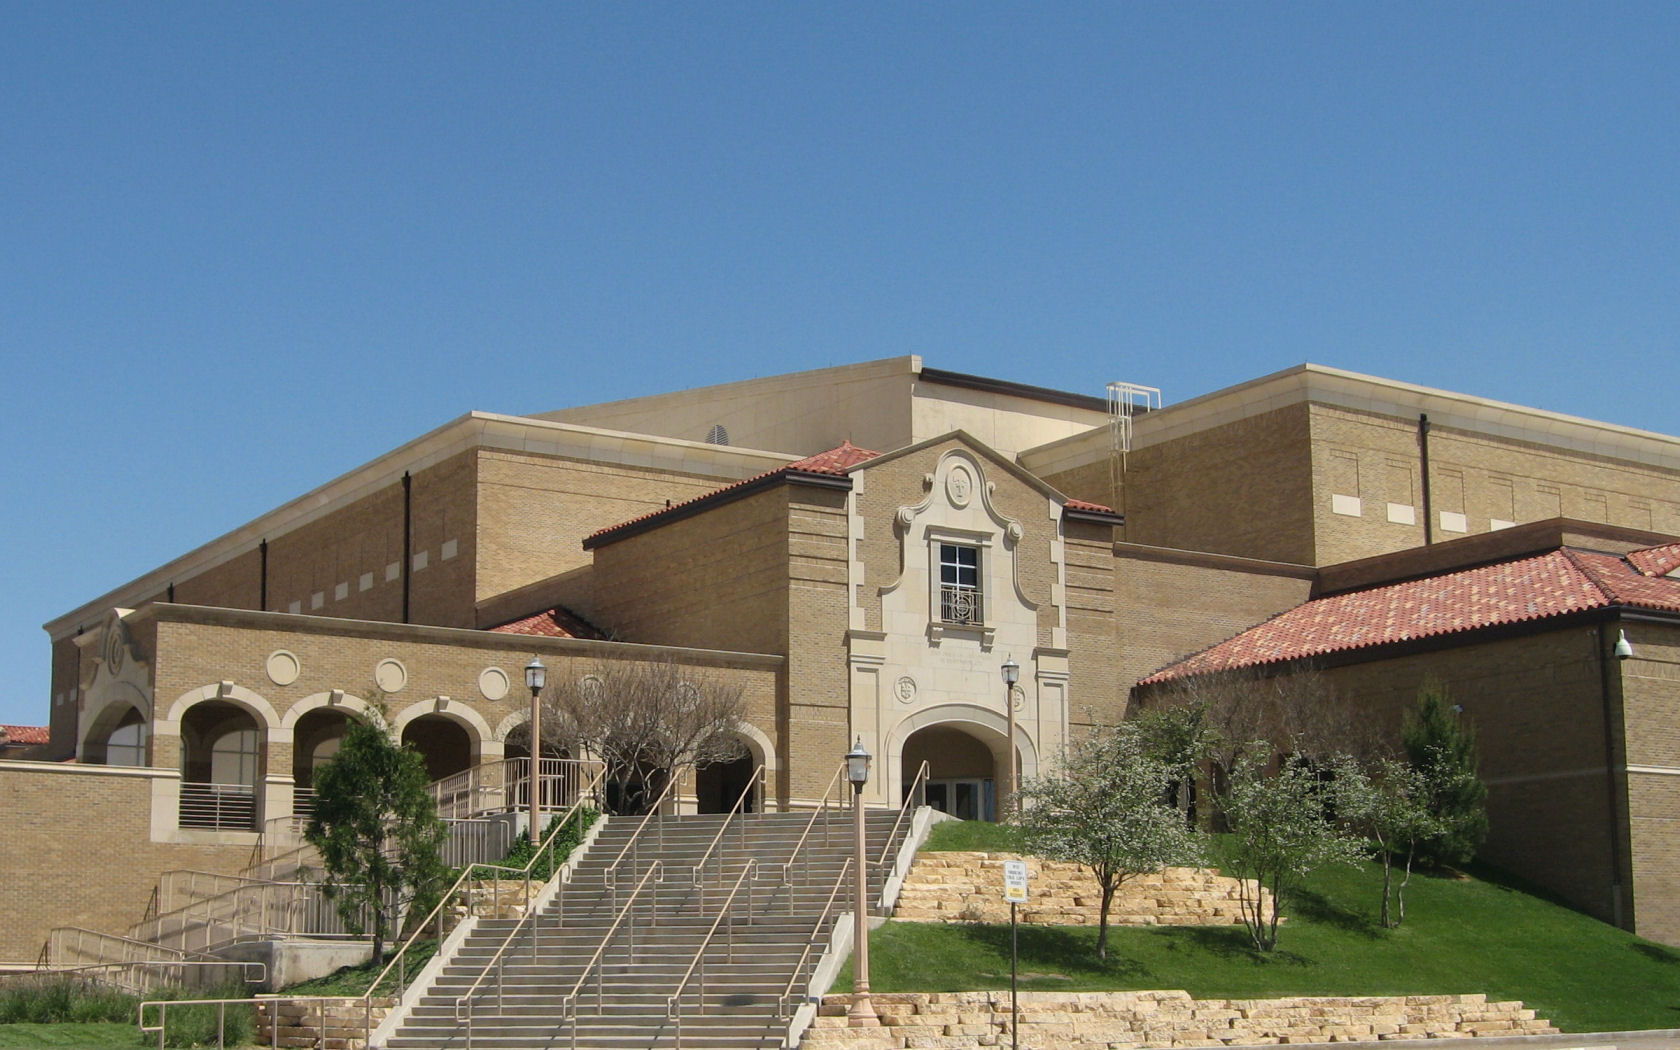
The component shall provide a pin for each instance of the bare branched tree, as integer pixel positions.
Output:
(649, 722)
(1297, 714)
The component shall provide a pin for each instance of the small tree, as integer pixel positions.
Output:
(1283, 826)
(1108, 812)
(1441, 746)
(377, 830)
(1249, 715)
(1179, 738)
(649, 722)
(1398, 818)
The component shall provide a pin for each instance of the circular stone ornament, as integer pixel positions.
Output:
(493, 683)
(905, 689)
(959, 486)
(283, 667)
(390, 675)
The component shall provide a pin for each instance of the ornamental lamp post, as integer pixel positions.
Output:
(536, 676)
(862, 1013)
(1011, 675)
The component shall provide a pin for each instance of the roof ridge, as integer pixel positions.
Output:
(1589, 574)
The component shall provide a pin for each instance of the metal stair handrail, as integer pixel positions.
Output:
(917, 789)
(498, 960)
(673, 1002)
(112, 974)
(819, 811)
(811, 942)
(107, 949)
(698, 872)
(568, 1002)
(398, 958)
(633, 846)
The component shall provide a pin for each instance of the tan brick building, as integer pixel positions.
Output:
(859, 548)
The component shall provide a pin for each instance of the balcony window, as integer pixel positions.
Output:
(960, 600)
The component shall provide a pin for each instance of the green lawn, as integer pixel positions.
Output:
(1461, 935)
(100, 1035)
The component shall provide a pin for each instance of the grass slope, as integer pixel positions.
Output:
(94, 1035)
(1460, 935)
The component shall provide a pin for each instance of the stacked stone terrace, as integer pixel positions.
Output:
(967, 887)
(1126, 1020)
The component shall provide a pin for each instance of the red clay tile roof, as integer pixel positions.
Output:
(1657, 561)
(1533, 588)
(1080, 504)
(552, 623)
(26, 734)
(835, 461)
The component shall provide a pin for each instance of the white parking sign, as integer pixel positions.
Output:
(1015, 881)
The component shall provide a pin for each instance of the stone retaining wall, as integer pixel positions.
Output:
(968, 887)
(1123, 1020)
(347, 1024)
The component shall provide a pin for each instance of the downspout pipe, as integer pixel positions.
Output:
(1609, 681)
(408, 539)
(1423, 459)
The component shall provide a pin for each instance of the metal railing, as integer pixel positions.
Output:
(917, 793)
(820, 810)
(546, 846)
(785, 1007)
(477, 840)
(496, 787)
(960, 604)
(141, 976)
(673, 1002)
(697, 876)
(248, 908)
(273, 1002)
(569, 1002)
(632, 847)
(222, 807)
(73, 948)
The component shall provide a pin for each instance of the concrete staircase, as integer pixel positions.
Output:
(625, 1001)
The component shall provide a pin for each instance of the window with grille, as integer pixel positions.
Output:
(959, 584)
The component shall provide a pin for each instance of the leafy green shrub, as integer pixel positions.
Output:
(564, 842)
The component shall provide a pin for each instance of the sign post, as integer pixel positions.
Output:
(1015, 892)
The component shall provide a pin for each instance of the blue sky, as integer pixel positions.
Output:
(245, 248)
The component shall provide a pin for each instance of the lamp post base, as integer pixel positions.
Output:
(862, 1013)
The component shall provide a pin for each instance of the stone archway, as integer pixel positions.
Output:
(962, 770)
(975, 725)
(222, 755)
(118, 737)
(445, 744)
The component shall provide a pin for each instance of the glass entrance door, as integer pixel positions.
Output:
(964, 798)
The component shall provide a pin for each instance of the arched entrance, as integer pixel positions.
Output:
(221, 762)
(961, 771)
(118, 738)
(315, 742)
(717, 785)
(445, 744)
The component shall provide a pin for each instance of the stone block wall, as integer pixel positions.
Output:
(968, 887)
(303, 1023)
(1119, 1020)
